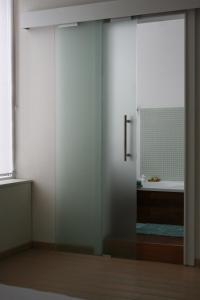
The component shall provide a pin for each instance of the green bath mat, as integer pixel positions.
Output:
(160, 229)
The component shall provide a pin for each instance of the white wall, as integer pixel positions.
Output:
(35, 122)
(160, 63)
(47, 4)
(35, 114)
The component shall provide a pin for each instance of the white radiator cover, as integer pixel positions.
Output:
(15, 215)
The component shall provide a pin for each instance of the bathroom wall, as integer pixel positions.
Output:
(35, 118)
(160, 95)
(162, 143)
(160, 64)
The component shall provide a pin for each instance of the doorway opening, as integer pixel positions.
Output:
(160, 142)
(123, 192)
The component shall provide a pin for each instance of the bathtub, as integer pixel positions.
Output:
(163, 186)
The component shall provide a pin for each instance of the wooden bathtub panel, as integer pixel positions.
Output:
(160, 207)
(168, 253)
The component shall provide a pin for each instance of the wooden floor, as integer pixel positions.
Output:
(92, 277)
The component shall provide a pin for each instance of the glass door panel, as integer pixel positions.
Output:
(78, 136)
(119, 132)
(96, 134)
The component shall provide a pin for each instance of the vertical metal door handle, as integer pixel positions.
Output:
(126, 121)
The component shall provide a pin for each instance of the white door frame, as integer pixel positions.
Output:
(190, 78)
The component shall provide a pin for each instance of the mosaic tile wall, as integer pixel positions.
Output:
(162, 143)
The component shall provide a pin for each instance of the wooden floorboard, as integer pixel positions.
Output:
(96, 278)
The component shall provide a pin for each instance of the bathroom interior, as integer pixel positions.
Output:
(160, 170)
(124, 128)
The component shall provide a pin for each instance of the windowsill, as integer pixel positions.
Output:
(12, 181)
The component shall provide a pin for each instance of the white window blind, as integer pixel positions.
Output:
(6, 136)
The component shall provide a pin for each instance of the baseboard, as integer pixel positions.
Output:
(116, 248)
(47, 246)
(75, 249)
(15, 250)
(43, 245)
(63, 248)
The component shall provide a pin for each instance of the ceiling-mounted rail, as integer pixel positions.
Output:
(102, 10)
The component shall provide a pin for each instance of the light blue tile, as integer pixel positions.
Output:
(162, 143)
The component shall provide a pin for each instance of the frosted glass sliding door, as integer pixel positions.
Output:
(119, 130)
(78, 131)
(96, 134)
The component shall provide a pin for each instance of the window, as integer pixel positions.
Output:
(6, 111)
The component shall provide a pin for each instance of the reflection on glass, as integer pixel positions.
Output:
(78, 136)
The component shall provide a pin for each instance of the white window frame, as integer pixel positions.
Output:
(12, 175)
